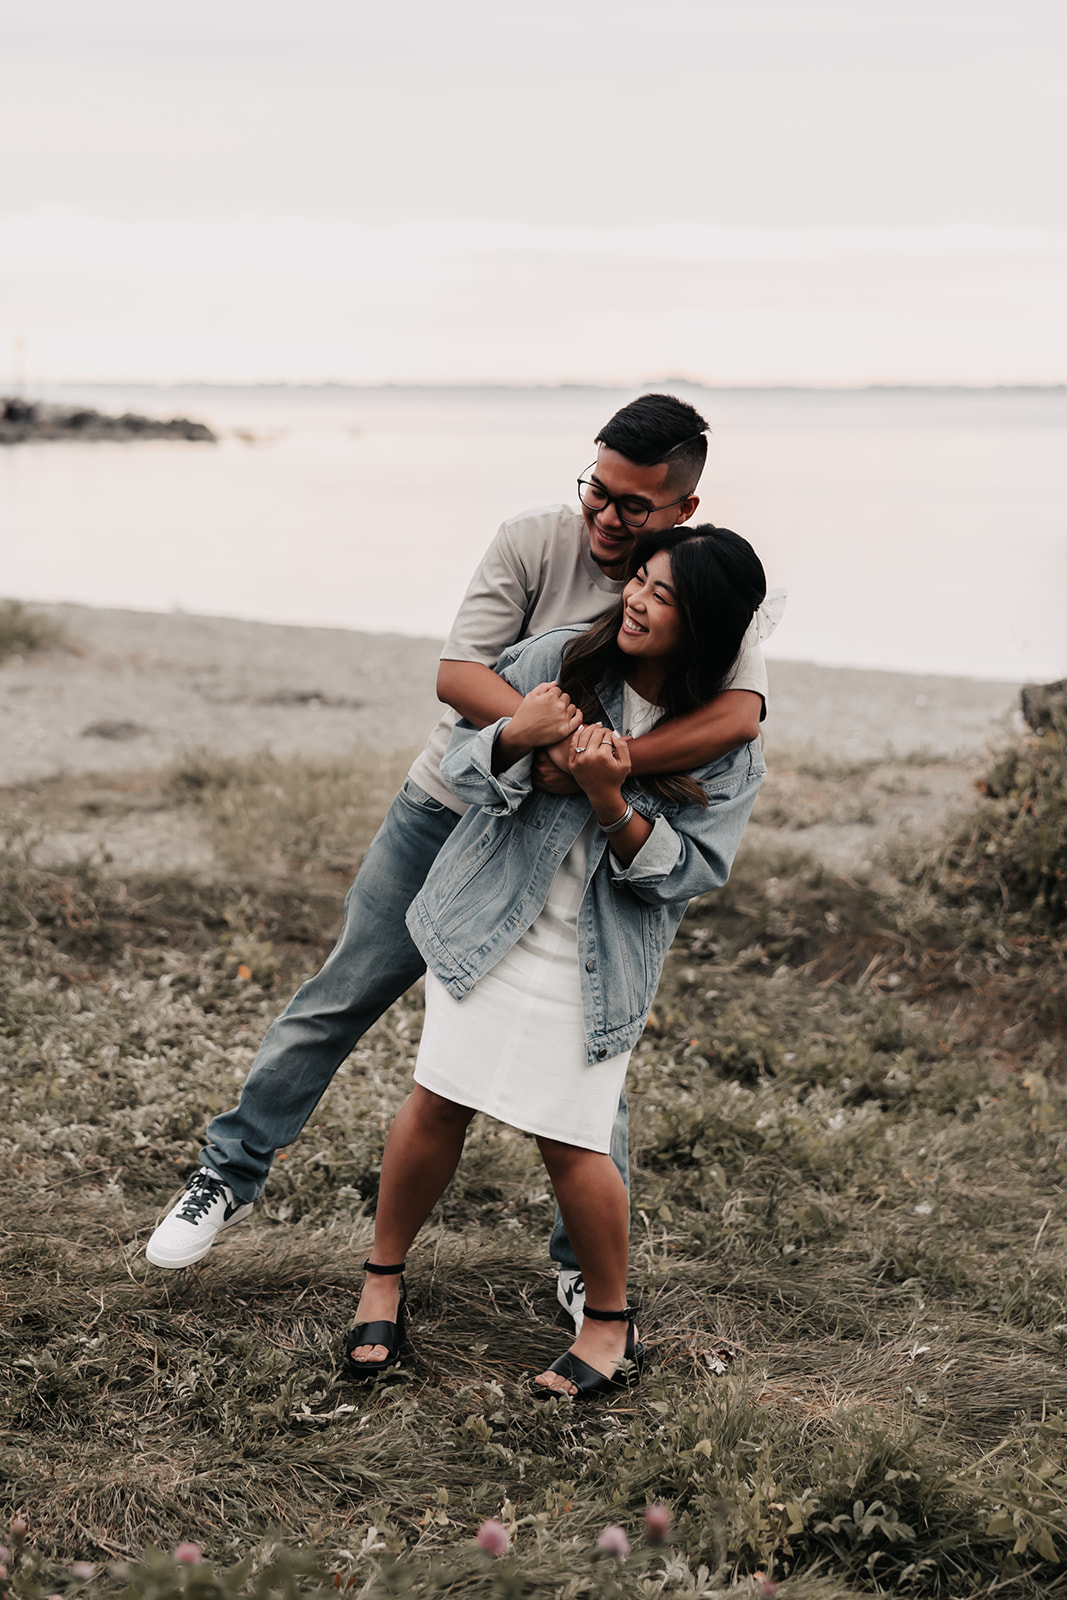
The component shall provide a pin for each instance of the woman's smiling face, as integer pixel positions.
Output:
(652, 625)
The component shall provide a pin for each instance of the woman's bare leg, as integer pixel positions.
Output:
(421, 1154)
(596, 1213)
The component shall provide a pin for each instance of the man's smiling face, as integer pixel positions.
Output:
(640, 490)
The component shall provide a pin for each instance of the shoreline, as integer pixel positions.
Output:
(137, 689)
(856, 758)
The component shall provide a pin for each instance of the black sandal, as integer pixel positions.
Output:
(389, 1334)
(590, 1383)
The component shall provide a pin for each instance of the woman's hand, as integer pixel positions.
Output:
(599, 762)
(544, 717)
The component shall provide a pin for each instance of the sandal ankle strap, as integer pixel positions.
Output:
(384, 1272)
(627, 1314)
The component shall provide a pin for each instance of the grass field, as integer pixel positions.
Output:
(849, 1237)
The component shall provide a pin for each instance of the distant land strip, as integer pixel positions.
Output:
(337, 386)
(33, 421)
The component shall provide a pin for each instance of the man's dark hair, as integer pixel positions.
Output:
(657, 428)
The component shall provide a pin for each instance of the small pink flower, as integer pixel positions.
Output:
(190, 1553)
(493, 1536)
(82, 1569)
(657, 1523)
(615, 1542)
(3, 1570)
(767, 1586)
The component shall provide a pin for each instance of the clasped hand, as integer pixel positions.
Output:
(598, 760)
(594, 758)
(545, 716)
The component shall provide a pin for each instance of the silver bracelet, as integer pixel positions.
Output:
(617, 827)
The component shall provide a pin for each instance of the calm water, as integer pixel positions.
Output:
(922, 531)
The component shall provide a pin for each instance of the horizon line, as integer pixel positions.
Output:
(644, 384)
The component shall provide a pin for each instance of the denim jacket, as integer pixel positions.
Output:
(493, 874)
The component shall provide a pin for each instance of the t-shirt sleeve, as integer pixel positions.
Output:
(493, 612)
(751, 669)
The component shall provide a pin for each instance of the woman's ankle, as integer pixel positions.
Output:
(383, 1264)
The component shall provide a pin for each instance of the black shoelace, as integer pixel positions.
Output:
(203, 1192)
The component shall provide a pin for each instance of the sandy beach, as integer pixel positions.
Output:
(853, 755)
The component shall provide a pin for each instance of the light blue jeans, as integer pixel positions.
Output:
(370, 966)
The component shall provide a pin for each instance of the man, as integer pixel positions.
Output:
(546, 569)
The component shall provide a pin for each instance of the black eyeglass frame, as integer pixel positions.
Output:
(614, 499)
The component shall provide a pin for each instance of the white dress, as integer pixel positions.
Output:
(514, 1047)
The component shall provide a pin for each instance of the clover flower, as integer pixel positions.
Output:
(614, 1541)
(493, 1536)
(657, 1523)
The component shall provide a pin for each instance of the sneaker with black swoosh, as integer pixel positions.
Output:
(191, 1227)
(570, 1292)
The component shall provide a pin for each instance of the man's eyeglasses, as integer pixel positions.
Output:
(631, 512)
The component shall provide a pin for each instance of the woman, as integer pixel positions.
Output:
(546, 919)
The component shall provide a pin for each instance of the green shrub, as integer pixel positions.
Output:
(1009, 856)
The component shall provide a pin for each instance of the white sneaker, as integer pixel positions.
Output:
(570, 1292)
(188, 1230)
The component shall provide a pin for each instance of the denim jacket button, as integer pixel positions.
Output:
(590, 965)
(601, 1054)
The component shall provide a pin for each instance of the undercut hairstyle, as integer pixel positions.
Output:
(657, 428)
(718, 583)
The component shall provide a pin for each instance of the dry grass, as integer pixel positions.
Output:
(24, 631)
(849, 1245)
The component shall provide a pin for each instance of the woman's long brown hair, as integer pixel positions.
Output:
(718, 581)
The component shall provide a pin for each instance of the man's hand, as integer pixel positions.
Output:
(549, 775)
(552, 769)
(559, 754)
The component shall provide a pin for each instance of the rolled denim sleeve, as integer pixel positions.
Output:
(656, 859)
(694, 851)
(467, 768)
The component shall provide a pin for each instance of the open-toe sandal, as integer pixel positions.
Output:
(591, 1384)
(388, 1334)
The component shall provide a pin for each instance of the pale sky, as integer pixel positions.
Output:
(748, 191)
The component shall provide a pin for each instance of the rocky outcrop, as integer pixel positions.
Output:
(33, 421)
(1045, 705)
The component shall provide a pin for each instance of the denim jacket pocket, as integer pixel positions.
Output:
(467, 882)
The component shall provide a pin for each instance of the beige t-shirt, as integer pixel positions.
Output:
(537, 574)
